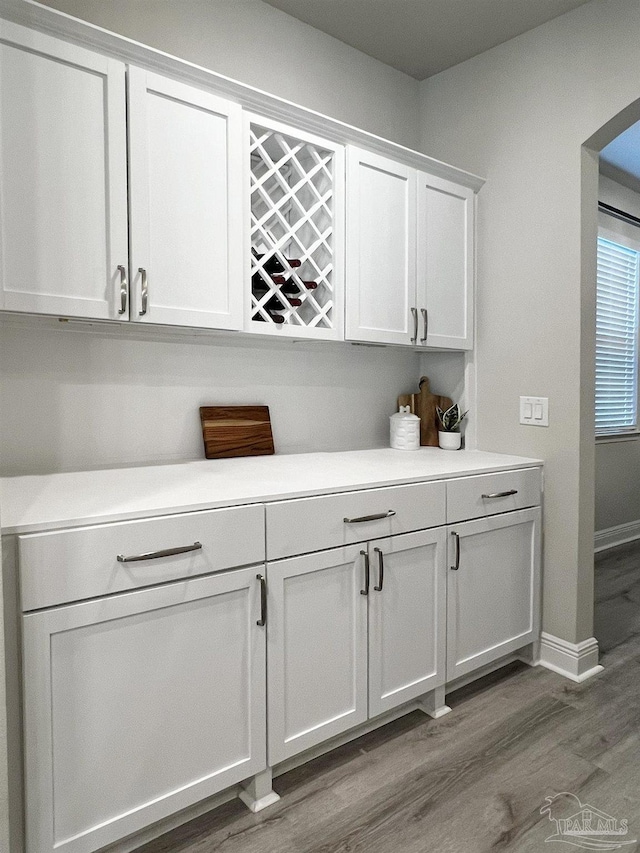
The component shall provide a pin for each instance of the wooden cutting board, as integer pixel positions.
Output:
(423, 404)
(236, 431)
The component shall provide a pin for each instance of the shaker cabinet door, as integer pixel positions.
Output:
(381, 250)
(185, 151)
(493, 597)
(407, 612)
(139, 705)
(445, 263)
(317, 649)
(63, 206)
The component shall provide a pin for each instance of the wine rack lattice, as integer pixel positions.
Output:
(292, 227)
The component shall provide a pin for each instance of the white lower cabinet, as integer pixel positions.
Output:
(353, 632)
(154, 679)
(140, 704)
(493, 595)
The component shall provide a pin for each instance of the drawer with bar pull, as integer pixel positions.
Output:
(490, 494)
(70, 565)
(313, 524)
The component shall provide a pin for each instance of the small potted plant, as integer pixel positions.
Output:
(449, 436)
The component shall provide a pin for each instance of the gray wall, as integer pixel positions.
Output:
(79, 400)
(618, 460)
(518, 115)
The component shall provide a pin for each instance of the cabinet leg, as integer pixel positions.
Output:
(257, 793)
(530, 654)
(433, 703)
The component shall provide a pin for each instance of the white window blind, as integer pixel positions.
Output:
(616, 339)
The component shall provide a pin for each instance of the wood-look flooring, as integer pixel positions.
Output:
(475, 780)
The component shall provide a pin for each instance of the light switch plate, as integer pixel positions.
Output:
(534, 411)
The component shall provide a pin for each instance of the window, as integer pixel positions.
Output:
(617, 338)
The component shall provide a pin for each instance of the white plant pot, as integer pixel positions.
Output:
(449, 440)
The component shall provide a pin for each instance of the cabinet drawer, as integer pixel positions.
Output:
(69, 565)
(488, 494)
(313, 524)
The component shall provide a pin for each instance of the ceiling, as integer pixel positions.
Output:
(423, 37)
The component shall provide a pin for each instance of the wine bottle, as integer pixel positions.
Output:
(289, 285)
(276, 304)
(274, 265)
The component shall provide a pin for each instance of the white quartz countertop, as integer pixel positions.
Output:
(47, 502)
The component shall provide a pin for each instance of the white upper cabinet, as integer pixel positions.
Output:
(410, 256)
(63, 206)
(381, 249)
(185, 153)
(445, 263)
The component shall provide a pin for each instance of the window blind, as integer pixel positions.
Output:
(616, 339)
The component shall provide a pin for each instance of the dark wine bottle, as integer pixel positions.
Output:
(274, 265)
(276, 304)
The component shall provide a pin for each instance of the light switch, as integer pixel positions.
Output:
(534, 411)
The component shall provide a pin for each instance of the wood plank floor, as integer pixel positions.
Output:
(475, 780)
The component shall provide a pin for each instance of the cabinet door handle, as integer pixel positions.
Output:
(425, 320)
(376, 517)
(144, 291)
(378, 551)
(262, 621)
(414, 311)
(500, 494)
(365, 591)
(455, 567)
(153, 555)
(124, 289)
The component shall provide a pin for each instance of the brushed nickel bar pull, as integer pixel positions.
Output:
(124, 289)
(501, 494)
(365, 591)
(376, 517)
(425, 319)
(153, 555)
(414, 311)
(378, 551)
(262, 621)
(144, 292)
(457, 563)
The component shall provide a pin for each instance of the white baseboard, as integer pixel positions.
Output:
(577, 661)
(618, 535)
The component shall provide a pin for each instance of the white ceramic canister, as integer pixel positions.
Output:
(405, 430)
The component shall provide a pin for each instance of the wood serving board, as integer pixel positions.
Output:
(423, 404)
(236, 431)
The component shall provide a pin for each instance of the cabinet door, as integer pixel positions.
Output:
(407, 611)
(493, 597)
(63, 207)
(317, 649)
(139, 705)
(185, 152)
(381, 249)
(445, 263)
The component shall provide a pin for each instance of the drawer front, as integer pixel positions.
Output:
(70, 565)
(313, 524)
(489, 494)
